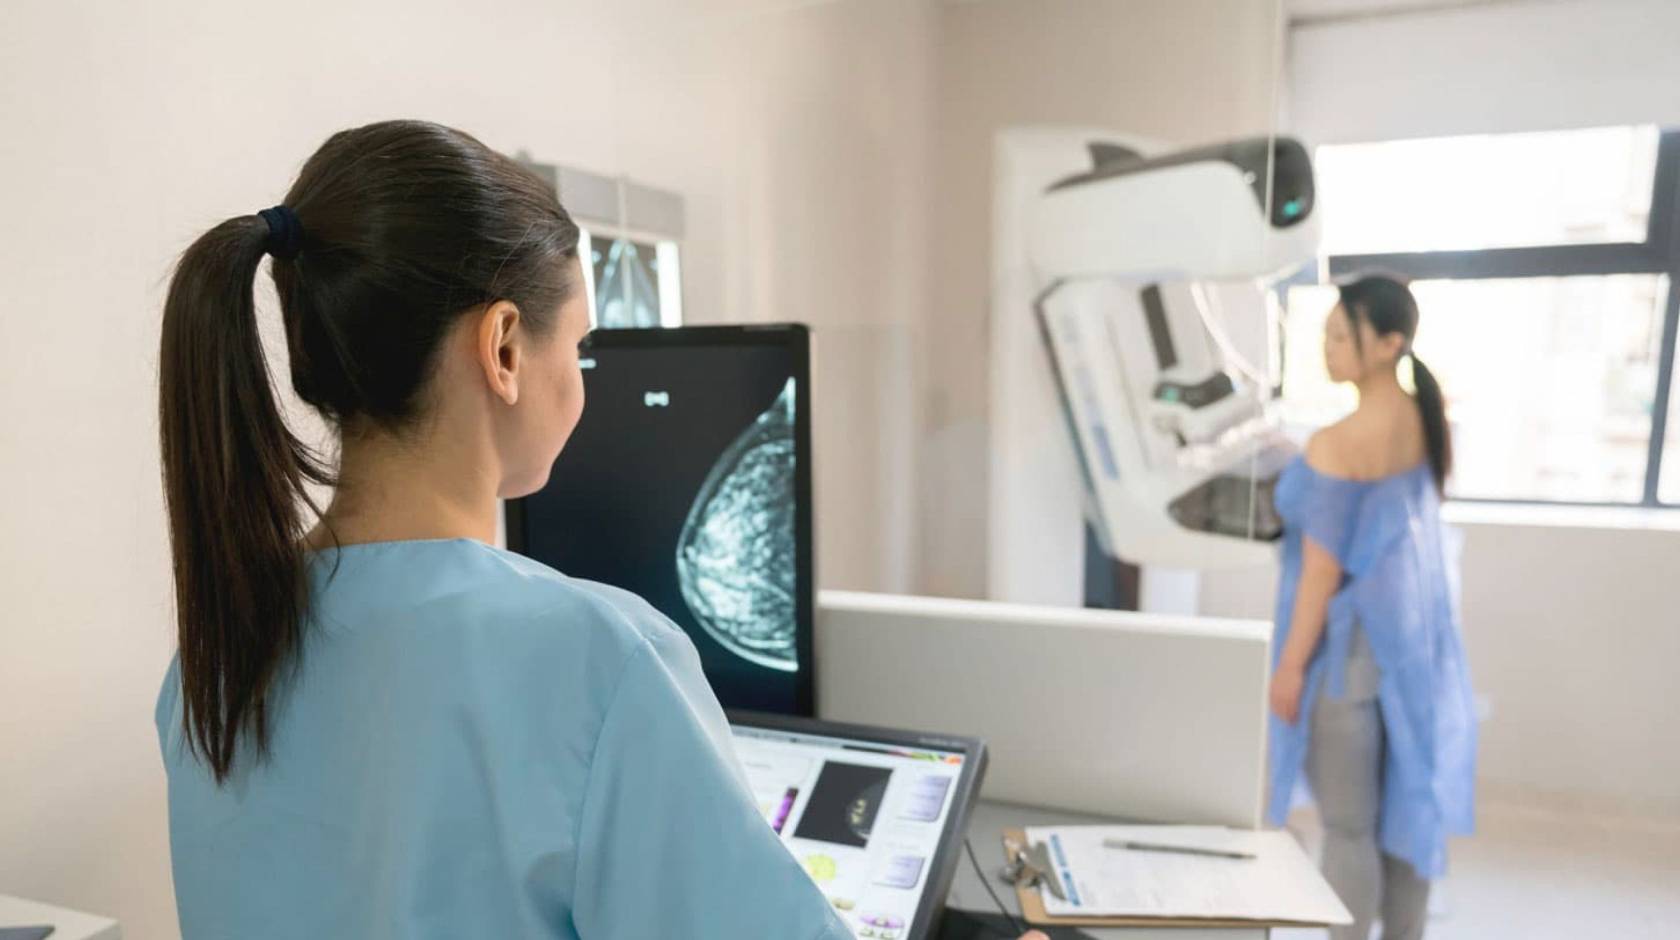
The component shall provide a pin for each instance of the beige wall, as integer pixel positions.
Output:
(1174, 70)
(808, 202)
(130, 128)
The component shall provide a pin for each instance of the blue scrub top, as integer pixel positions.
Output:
(1399, 588)
(474, 745)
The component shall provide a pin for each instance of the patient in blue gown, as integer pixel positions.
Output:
(1370, 694)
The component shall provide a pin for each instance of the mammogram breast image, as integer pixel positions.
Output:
(735, 557)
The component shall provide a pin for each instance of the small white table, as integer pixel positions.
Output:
(66, 924)
(985, 831)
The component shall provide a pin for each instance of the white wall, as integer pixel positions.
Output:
(1169, 70)
(130, 128)
(801, 138)
(1486, 68)
(1572, 628)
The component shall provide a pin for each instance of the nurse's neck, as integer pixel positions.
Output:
(428, 485)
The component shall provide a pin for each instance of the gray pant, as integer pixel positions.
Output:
(1344, 768)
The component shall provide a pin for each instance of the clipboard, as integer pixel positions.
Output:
(1032, 906)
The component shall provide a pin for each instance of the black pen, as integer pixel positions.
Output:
(1177, 849)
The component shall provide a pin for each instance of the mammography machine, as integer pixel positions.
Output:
(1152, 273)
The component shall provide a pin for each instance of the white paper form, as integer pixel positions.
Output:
(1279, 884)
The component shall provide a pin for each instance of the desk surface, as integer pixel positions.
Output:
(67, 924)
(985, 832)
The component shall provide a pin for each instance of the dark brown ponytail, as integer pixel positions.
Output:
(1388, 305)
(402, 227)
(1436, 435)
(233, 480)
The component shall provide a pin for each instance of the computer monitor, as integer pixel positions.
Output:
(877, 817)
(688, 482)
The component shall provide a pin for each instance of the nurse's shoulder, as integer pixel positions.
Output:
(539, 610)
(537, 657)
(458, 620)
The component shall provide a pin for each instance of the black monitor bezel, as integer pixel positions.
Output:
(796, 337)
(947, 855)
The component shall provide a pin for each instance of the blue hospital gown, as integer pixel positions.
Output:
(474, 745)
(1398, 587)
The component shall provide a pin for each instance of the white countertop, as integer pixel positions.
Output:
(67, 924)
(985, 829)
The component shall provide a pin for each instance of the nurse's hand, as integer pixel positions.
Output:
(1286, 692)
(1034, 935)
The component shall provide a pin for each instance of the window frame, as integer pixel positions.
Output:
(1658, 254)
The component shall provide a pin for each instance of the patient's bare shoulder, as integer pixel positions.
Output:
(1330, 450)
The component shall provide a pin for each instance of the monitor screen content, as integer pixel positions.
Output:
(864, 818)
(683, 484)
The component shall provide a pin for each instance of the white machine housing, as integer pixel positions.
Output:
(1145, 716)
(1145, 265)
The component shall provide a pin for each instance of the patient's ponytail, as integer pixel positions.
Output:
(1436, 435)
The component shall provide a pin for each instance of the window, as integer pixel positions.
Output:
(1668, 489)
(1543, 264)
(1499, 191)
(1550, 381)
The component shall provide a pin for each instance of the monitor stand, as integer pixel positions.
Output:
(1110, 584)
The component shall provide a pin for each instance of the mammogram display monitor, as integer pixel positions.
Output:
(688, 482)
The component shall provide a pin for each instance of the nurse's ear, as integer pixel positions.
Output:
(500, 349)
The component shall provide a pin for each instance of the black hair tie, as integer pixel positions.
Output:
(285, 232)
